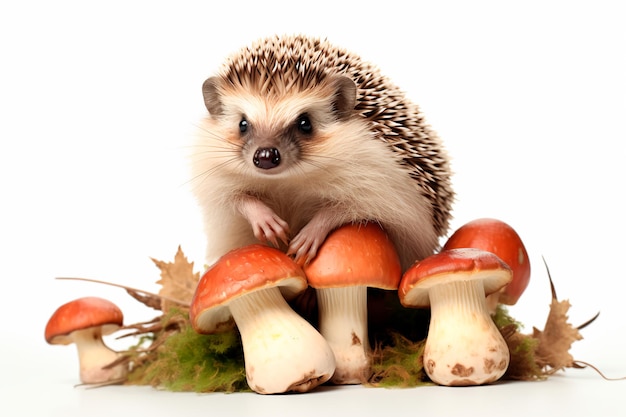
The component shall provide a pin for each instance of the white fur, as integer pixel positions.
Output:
(343, 167)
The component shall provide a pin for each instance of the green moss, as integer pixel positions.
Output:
(523, 364)
(399, 364)
(179, 359)
(188, 361)
(502, 318)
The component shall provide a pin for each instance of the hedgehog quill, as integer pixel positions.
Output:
(301, 137)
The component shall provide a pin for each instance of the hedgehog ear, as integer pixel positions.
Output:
(212, 99)
(345, 95)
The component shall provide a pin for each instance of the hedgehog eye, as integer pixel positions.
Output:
(304, 124)
(243, 126)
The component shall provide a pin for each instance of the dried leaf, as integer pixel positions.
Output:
(178, 281)
(544, 352)
(556, 339)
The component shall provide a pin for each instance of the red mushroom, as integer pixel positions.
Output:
(463, 346)
(249, 285)
(83, 322)
(351, 259)
(497, 237)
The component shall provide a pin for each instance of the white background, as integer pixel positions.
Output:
(98, 101)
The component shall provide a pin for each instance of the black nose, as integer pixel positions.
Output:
(266, 158)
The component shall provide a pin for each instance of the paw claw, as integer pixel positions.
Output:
(267, 226)
(304, 248)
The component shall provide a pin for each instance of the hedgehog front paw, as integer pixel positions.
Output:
(271, 228)
(305, 244)
(304, 247)
(267, 226)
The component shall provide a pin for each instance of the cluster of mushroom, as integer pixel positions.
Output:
(249, 287)
(482, 264)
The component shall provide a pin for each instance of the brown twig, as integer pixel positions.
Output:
(588, 322)
(552, 289)
(583, 364)
(131, 290)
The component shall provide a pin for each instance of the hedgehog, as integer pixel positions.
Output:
(301, 137)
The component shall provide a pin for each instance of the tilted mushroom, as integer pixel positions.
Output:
(83, 322)
(351, 259)
(249, 285)
(497, 237)
(463, 346)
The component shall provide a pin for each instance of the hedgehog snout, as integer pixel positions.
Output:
(266, 158)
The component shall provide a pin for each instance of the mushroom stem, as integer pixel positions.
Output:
(464, 346)
(282, 351)
(94, 356)
(343, 323)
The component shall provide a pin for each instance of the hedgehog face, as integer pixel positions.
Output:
(302, 124)
(272, 133)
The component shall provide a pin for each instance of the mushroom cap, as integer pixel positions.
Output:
(80, 314)
(449, 266)
(355, 254)
(237, 273)
(501, 239)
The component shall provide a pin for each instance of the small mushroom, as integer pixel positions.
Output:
(497, 237)
(463, 346)
(249, 285)
(351, 259)
(83, 322)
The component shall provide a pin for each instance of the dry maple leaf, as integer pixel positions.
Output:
(554, 342)
(178, 281)
(556, 339)
(544, 352)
